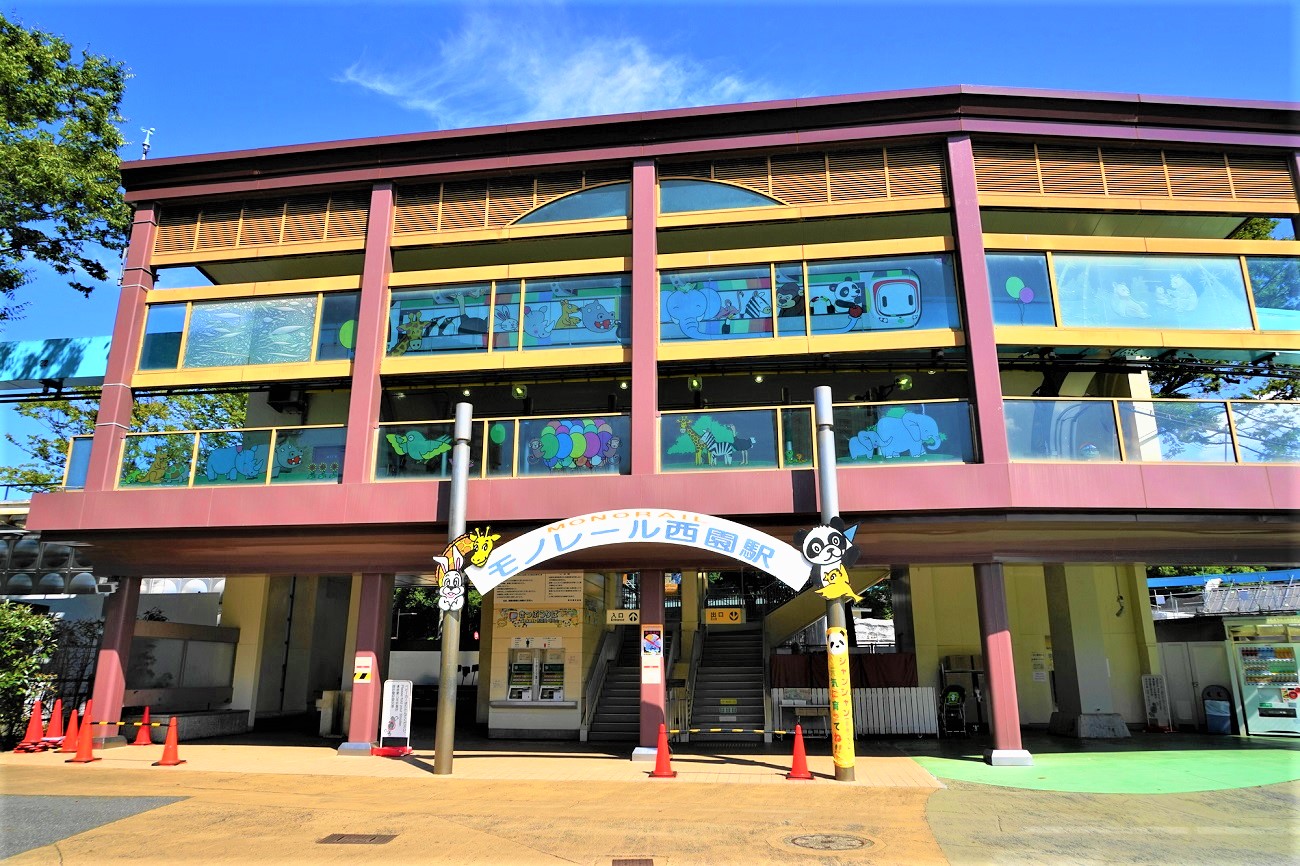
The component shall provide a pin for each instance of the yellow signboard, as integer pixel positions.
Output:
(841, 695)
(622, 617)
(723, 615)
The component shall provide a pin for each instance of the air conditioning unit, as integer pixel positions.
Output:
(284, 399)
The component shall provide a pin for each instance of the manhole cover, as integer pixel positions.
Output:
(356, 839)
(829, 842)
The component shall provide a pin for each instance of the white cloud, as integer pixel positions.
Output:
(487, 73)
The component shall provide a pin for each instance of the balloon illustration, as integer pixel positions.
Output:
(577, 443)
(1017, 289)
(497, 433)
(348, 334)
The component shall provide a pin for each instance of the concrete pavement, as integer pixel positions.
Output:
(561, 803)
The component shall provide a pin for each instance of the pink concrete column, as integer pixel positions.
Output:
(128, 330)
(645, 322)
(651, 585)
(999, 668)
(114, 655)
(373, 615)
(372, 337)
(977, 306)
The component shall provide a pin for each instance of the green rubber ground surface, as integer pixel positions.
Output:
(1128, 772)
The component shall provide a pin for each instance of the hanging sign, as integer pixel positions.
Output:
(685, 528)
(724, 615)
(622, 617)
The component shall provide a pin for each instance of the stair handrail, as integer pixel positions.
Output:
(673, 712)
(596, 682)
(767, 688)
(697, 653)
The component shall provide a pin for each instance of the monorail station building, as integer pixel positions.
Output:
(1012, 294)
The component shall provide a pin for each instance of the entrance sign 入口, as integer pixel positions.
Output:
(684, 528)
(622, 617)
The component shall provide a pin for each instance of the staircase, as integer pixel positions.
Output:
(618, 712)
(729, 687)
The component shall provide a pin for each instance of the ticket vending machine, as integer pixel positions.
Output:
(536, 674)
(522, 684)
(1264, 662)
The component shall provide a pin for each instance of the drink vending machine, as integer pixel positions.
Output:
(1264, 651)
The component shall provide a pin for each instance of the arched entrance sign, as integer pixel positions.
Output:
(682, 528)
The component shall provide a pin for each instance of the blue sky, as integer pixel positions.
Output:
(214, 77)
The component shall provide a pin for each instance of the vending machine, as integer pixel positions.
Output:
(1264, 651)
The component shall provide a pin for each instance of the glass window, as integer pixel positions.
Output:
(744, 439)
(903, 432)
(715, 304)
(911, 292)
(797, 430)
(308, 454)
(414, 450)
(611, 200)
(162, 337)
(1151, 292)
(1061, 430)
(575, 445)
(154, 663)
(234, 457)
(501, 448)
(259, 331)
(1275, 282)
(680, 196)
(1267, 432)
(1175, 431)
(577, 311)
(338, 326)
(505, 322)
(445, 319)
(1020, 289)
(791, 308)
(157, 460)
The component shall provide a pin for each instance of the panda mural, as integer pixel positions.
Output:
(829, 550)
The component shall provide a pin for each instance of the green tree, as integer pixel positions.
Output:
(416, 615)
(61, 199)
(26, 643)
(60, 420)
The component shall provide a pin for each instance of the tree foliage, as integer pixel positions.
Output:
(61, 199)
(417, 617)
(60, 420)
(26, 643)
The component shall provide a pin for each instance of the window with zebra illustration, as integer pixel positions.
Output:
(719, 440)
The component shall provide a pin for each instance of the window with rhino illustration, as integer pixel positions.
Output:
(503, 315)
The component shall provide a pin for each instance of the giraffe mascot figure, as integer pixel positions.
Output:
(450, 566)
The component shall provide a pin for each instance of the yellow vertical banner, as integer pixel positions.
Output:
(841, 697)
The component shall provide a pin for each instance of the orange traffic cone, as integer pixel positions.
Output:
(35, 730)
(70, 738)
(143, 736)
(169, 758)
(799, 768)
(55, 730)
(663, 767)
(85, 747)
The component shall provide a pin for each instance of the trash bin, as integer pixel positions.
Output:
(1218, 709)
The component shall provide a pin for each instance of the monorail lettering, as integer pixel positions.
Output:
(684, 528)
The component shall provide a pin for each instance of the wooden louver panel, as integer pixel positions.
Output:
(914, 171)
(1256, 178)
(700, 169)
(464, 205)
(347, 216)
(1135, 172)
(1006, 168)
(218, 228)
(751, 172)
(552, 186)
(304, 219)
(614, 174)
(508, 199)
(261, 224)
(799, 178)
(857, 175)
(177, 228)
(415, 209)
(1199, 175)
(1070, 170)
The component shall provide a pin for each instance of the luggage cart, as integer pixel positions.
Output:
(952, 715)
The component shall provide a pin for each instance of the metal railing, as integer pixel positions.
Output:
(246, 456)
(1153, 430)
(609, 647)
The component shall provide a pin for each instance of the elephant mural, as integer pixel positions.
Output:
(899, 432)
(688, 304)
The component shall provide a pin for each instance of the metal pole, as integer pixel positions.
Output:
(445, 733)
(841, 692)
